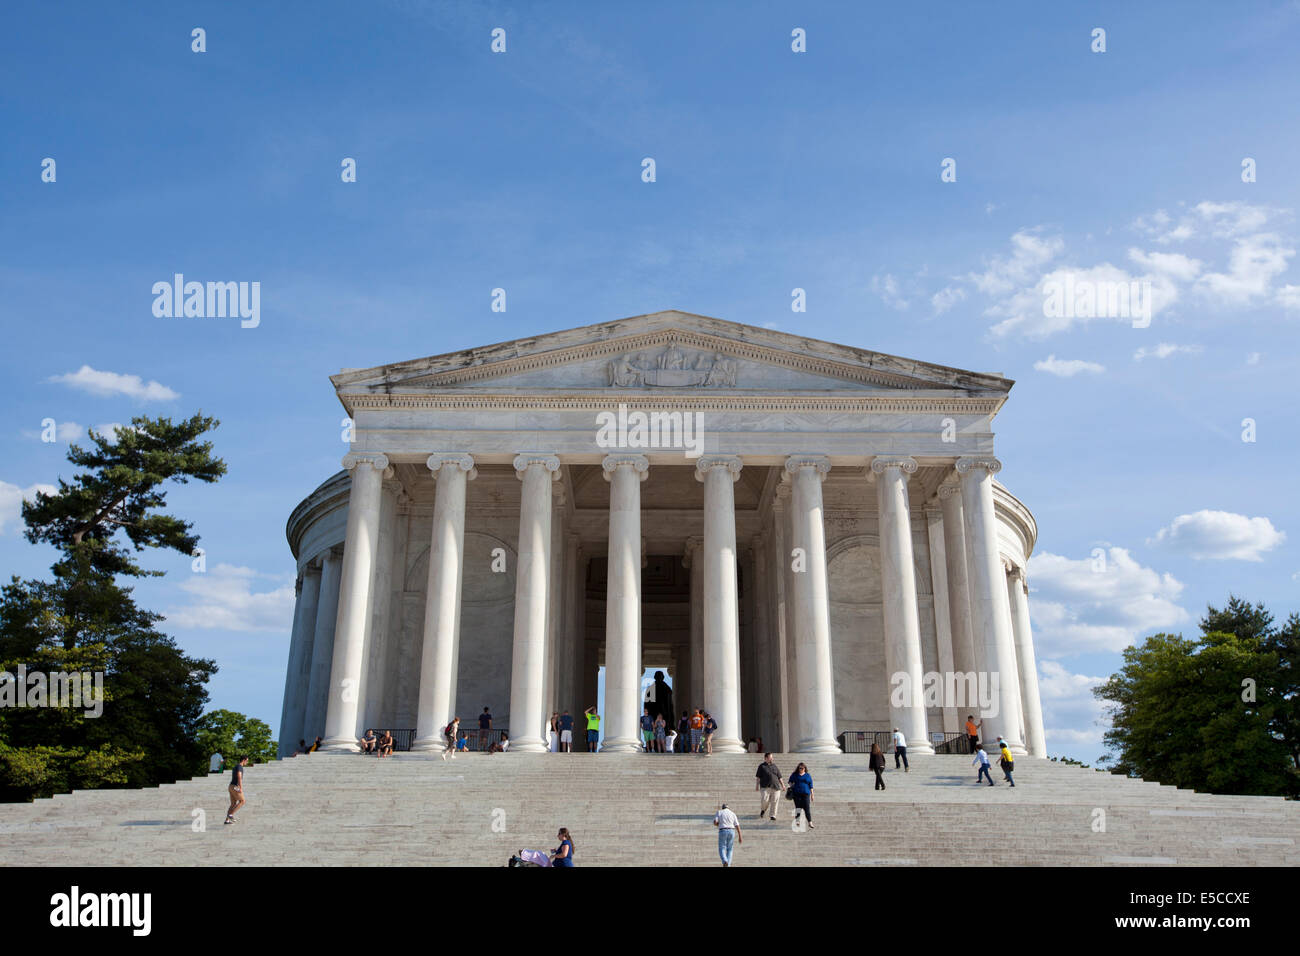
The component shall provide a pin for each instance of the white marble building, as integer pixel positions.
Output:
(805, 536)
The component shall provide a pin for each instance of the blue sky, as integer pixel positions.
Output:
(775, 170)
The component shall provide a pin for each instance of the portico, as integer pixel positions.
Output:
(795, 561)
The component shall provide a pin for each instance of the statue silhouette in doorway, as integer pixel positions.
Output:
(659, 698)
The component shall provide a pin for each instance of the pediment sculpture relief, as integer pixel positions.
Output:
(673, 368)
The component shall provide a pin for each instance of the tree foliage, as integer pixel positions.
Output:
(232, 734)
(85, 620)
(1214, 713)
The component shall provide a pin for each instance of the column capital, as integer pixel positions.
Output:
(820, 463)
(525, 460)
(951, 487)
(440, 460)
(693, 544)
(783, 490)
(374, 459)
(312, 566)
(904, 463)
(987, 462)
(638, 463)
(706, 463)
(1016, 573)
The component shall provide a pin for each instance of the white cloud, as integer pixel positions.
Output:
(1173, 264)
(223, 599)
(63, 431)
(1253, 358)
(887, 287)
(1068, 368)
(1029, 253)
(1254, 263)
(1099, 604)
(1220, 535)
(107, 384)
(1289, 296)
(11, 502)
(1164, 350)
(946, 298)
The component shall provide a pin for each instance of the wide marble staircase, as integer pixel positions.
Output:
(628, 810)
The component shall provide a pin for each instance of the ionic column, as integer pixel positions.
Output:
(762, 637)
(442, 601)
(812, 619)
(942, 614)
(721, 613)
(1017, 592)
(532, 585)
(322, 645)
(956, 561)
(781, 614)
(694, 696)
(623, 603)
(360, 550)
(298, 672)
(990, 611)
(902, 623)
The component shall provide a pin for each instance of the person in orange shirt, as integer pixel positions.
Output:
(697, 730)
(973, 732)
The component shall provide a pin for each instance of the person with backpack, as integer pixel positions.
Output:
(1007, 762)
(877, 763)
(684, 732)
(710, 728)
(982, 761)
(449, 735)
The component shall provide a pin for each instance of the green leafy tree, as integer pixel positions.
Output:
(85, 619)
(232, 734)
(1203, 713)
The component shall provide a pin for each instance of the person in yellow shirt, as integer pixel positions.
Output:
(593, 728)
(1007, 763)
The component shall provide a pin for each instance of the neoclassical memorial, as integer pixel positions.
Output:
(808, 538)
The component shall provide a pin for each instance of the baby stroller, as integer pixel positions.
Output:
(530, 858)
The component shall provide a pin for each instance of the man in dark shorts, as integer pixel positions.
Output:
(484, 728)
(236, 789)
(566, 733)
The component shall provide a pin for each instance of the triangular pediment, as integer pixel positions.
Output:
(668, 352)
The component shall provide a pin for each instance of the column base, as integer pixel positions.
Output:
(429, 745)
(340, 745)
(816, 746)
(621, 745)
(729, 745)
(923, 747)
(528, 745)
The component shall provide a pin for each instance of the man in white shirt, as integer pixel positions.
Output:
(728, 833)
(217, 763)
(982, 761)
(900, 750)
